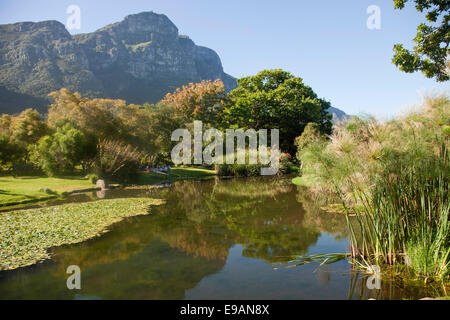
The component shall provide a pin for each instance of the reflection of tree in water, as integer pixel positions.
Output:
(261, 214)
(330, 223)
(157, 272)
(162, 255)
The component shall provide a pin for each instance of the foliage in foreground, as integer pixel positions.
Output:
(26, 235)
(398, 172)
(430, 55)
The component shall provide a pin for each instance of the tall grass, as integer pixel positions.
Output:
(116, 161)
(395, 175)
(405, 217)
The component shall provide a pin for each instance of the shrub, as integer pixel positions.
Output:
(254, 170)
(239, 170)
(93, 178)
(10, 152)
(223, 170)
(310, 135)
(116, 161)
(286, 164)
(59, 153)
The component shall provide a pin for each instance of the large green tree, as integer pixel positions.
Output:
(430, 54)
(17, 133)
(62, 151)
(275, 99)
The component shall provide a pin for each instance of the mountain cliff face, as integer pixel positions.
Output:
(338, 115)
(139, 59)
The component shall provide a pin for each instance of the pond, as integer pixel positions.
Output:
(214, 239)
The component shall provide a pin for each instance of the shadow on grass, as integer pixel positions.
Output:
(9, 193)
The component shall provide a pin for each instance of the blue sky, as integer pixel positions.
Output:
(326, 42)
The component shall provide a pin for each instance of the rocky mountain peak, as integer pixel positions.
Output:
(143, 27)
(45, 31)
(138, 59)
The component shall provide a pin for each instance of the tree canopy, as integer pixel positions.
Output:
(198, 101)
(430, 54)
(275, 99)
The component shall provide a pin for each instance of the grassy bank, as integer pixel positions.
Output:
(18, 190)
(303, 181)
(26, 235)
(175, 175)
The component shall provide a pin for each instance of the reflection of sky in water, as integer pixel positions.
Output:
(249, 278)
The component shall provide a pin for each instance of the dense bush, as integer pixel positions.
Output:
(223, 170)
(117, 162)
(310, 135)
(93, 178)
(60, 152)
(239, 170)
(254, 170)
(286, 164)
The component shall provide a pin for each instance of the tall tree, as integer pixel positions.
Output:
(198, 101)
(16, 133)
(430, 54)
(275, 99)
(100, 118)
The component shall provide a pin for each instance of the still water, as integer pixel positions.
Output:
(215, 239)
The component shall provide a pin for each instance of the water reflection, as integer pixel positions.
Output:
(217, 239)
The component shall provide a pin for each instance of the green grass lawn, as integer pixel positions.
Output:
(28, 189)
(22, 190)
(303, 181)
(26, 235)
(175, 174)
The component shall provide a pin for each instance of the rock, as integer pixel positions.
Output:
(139, 59)
(101, 194)
(101, 184)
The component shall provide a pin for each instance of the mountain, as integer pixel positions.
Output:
(338, 115)
(139, 59)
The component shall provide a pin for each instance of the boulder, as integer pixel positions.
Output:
(101, 184)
